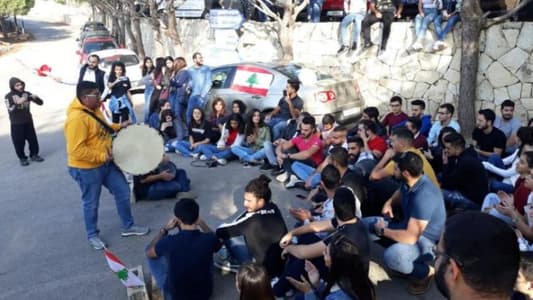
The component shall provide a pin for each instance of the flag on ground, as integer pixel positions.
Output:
(126, 276)
(252, 80)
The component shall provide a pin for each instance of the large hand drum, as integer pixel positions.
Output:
(138, 149)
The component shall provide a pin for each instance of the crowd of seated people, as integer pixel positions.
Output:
(398, 182)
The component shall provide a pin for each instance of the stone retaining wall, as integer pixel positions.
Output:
(505, 68)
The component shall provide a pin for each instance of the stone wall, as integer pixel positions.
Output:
(505, 68)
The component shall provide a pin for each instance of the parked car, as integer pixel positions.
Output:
(92, 29)
(261, 86)
(129, 58)
(94, 44)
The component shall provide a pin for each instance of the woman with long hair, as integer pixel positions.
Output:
(147, 69)
(199, 134)
(218, 116)
(232, 136)
(157, 78)
(253, 283)
(179, 83)
(347, 277)
(257, 141)
(120, 104)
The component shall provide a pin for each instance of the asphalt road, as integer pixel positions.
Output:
(43, 250)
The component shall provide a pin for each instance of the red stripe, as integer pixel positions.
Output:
(112, 257)
(253, 69)
(249, 90)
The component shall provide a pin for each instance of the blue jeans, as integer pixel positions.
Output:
(489, 202)
(454, 200)
(238, 249)
(303, 171)
(277, 125)
(405, 258)
(184, 147)
(148, 89)
(441, 33)
(211, 151)
(496, 186)
(194, 101)
(314, 9)
(159, 269)
(90, 182)
(115, 104)
(356, 19)
(248, 154)
(422, 23)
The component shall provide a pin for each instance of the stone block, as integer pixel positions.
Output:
(525, 73)
(485, 91)
(528, 104)
(525, 40)
(526, 90)
(500, 94)
(408, 89)
(456, 61)
(511, 25)
(427, 76)
(451, 98)
(397, 36)
(484, 62)
(428, 62)
(444, 63)
(377, 70)
(389, 57)
(496, 43)
(514, 91)
(437, 91)
(452, 76)
(511, 35)
(477, 105)
(514, 59)
(488, 105)
(393, 85)
(420, 89)
(409, 71)
(499, 76)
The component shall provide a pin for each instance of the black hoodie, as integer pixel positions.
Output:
(18, 103)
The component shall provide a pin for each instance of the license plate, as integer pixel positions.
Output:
(335, 13)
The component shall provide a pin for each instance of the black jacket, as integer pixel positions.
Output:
(18, 103)
(467, 175)
(262, 230)
(99, 74)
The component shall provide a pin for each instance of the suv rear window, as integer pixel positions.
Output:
(97, 46)
(128, 60)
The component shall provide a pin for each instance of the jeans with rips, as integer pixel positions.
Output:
(350, 18)
(90, 182)
(184, 147)
(277, 125)
(422, 22)
(303, 171)
(248, 154)
(442, 32)
(212, 151)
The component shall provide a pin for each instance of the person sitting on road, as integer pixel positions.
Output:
(347, 276)
(524, 281)
(360, 159)
(488, 140)
(396, 116)
(253, 282)
(232, 136)
(258, 144)
(372, 113)
(167, 129)
(120, 103)
(181, 263)
(238, 107)
(218, 117)
(420, 141)
(309, 148)
(445, 114)
(367, 131)
(166, 181)
(199, 134)
(289, 107)
(420, 228)
(326, 129)
(345, 223)
(434, 155)
(246, 238)
(464, 180)
(508, 124)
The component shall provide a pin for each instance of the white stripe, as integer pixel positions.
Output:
(263, 80)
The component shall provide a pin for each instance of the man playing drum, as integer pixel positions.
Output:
(90, 163)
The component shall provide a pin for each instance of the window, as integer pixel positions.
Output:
(219, 78)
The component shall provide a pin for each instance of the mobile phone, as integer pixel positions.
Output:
(284, 93)
(300, 196)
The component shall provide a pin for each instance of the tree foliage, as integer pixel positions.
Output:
(15, 7)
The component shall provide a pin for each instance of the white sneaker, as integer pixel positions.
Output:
(222, 161)
(293, 180)
(203, 157)
(438, 45)
(194, 155)
(282, 177)
(417, 45)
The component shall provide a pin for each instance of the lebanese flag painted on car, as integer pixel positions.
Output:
(252, 80)
(126, 276)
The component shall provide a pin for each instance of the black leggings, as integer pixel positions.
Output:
(20, 133)
(122, 116)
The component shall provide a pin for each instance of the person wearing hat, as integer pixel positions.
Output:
(289, 107)
(90, 163)
(18, 106)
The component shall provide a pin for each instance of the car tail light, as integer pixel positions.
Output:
(326, 96)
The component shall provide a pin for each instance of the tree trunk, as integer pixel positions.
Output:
(129, 32)
(472, 22)
(137, 30)
(286, 27)
(172, 24)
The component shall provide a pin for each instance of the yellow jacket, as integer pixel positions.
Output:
(87, 141)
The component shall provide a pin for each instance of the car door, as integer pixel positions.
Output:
(221, 79)
(253, 85)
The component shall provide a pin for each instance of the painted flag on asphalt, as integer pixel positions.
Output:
(127, 277)
(252, 80)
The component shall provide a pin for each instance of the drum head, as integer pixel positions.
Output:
(138, 149)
